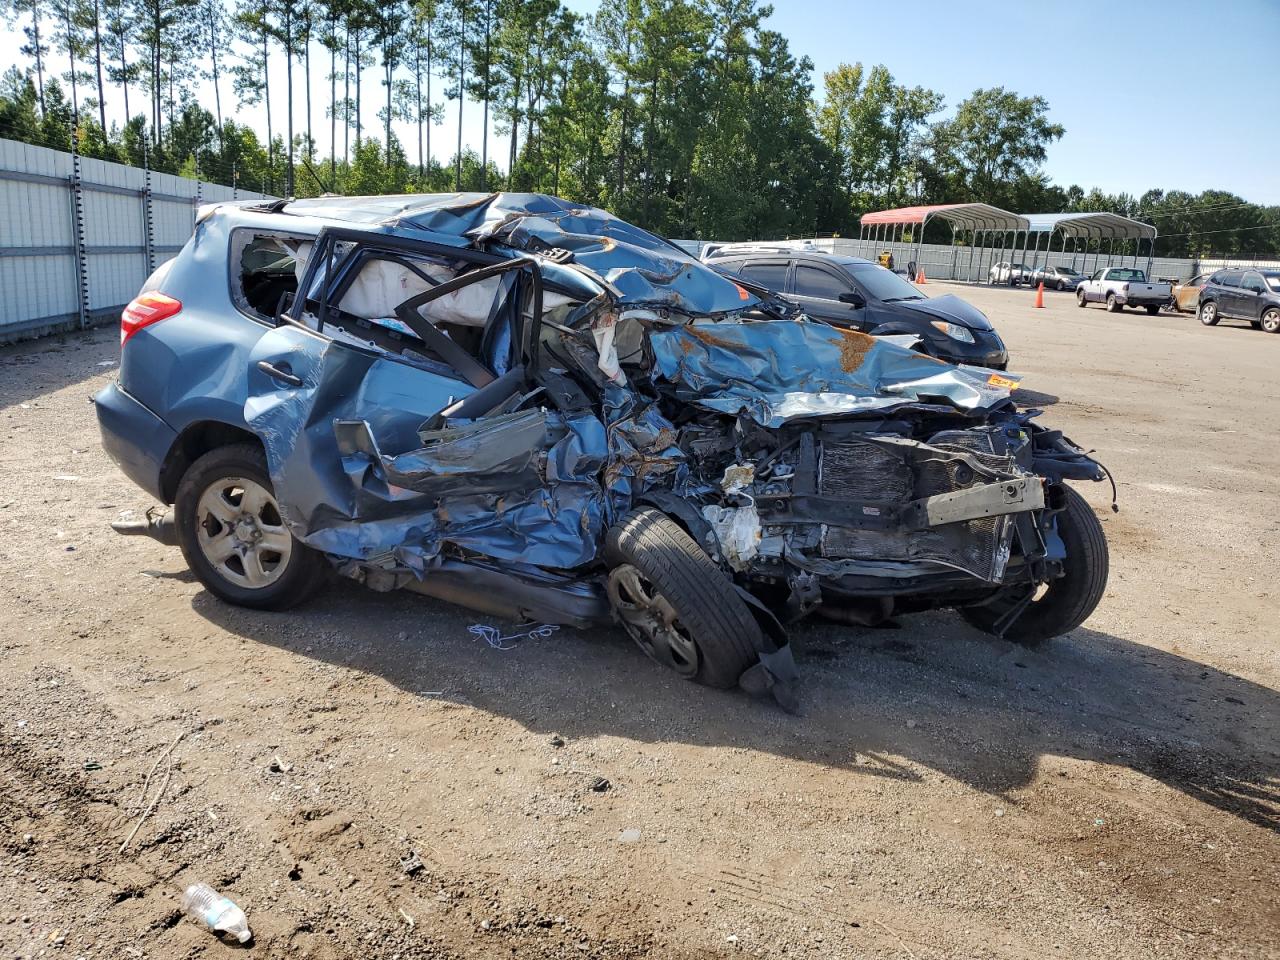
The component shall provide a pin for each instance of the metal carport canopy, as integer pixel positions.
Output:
(961, 216)
(1093, 225)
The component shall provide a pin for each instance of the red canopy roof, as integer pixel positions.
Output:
(976, 216)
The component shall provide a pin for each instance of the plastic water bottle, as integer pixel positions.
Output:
(203, 903)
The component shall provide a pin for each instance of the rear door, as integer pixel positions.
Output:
(1252, 296)
(817, 288)
(383, 336)
(767, 272)
(1229, 292)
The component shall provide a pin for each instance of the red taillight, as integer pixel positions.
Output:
(144, 310)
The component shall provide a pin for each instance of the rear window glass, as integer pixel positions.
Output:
(812, 282)
(1126, 274)
(264, 269)
(770, 275)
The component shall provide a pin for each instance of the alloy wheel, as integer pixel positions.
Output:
(651, 621)
(241, 533)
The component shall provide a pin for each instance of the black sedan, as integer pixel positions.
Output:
(856, 293)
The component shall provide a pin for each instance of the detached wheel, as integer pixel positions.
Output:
(1063, 604)
(1112, 305)
(1208, 313)
(233, 536)
(1271, 321)
(1080, 300)
(674, 602)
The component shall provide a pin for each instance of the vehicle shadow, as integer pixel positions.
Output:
(934, 692)
(1032, 398)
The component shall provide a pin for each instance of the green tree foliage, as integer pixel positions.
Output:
(689, 117)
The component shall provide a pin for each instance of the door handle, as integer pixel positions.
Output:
(281, 373)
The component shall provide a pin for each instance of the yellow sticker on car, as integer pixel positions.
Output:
(995, 380)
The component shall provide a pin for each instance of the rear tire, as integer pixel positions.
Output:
(680, 608)
(1152, 311)
(1066, 602)
(1271, 321)
(1113, 305)
(1208, 313)
(225, 492)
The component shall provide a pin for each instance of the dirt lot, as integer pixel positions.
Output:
(1116, 794)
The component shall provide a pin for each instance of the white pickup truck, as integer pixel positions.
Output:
(1120, 287)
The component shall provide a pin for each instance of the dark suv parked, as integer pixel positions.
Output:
(1252, 295)
(857, 294)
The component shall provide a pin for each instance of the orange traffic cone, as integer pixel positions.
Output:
(1040, 295)
(920, 276)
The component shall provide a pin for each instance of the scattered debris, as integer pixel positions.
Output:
(629, 835)
(218, 914)
(71, 478)
(91, 765)
(279, 766)
(600, 785)
(407, 919)
(493, 636)
(412, 864)
(557, 741)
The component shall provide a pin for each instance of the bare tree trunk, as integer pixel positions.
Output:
(484, 136)
(71, 54)
(333, 101)
(97, 57)
(417, 113)
(462, 96)
(306, 75)
(288, 86)
(626, 118)
(266, 98)
(35, 34)
(359, 72)
(124, 70)
(346, 100)
(217, 91)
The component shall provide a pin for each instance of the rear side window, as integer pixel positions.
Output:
(1229, 278)
(265, 267)
(813, 282)
(770, 274)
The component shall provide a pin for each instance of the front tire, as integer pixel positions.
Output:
(1271, 321)
(1067, 601)
(676, 604)
(233, 536)
(1208, 313)
(1080, 299)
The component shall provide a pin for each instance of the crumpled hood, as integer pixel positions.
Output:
(785, 370)
(951, 308)
(641, 268)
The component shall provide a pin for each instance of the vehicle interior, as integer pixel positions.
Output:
(267, 274)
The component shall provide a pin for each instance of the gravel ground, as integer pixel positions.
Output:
(944, 794)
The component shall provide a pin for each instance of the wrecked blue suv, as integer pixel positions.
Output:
(537, 410)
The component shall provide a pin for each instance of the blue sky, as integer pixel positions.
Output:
(1172, 94)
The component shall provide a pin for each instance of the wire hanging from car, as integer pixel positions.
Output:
(493, 636)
